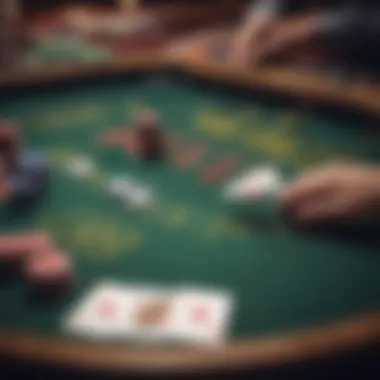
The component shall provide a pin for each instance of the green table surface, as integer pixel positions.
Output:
(282, 278)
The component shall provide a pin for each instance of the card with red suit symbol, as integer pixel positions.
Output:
(201, 317)
(104, 313)
(115, 311)
(149, 314)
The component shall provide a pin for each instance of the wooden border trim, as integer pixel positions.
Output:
(362, 96)
(52, 74)
(293, 346)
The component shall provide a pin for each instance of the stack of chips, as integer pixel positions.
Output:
(8, 146)
(24, 176)
(47, 269)
(150, 136)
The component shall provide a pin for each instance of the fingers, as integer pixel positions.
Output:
(240, 52)
(249, 41)
(311, 185)
(318, 210)
(314, 197)
(337, 192)
(292, 32)
(245, 58)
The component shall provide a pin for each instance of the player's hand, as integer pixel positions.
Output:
(240, 51)
(339, 192)
(269, 36)
(289, 34)
(248, 42)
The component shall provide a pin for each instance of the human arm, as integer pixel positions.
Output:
(343, 30)
(342, 192)
(250, 35)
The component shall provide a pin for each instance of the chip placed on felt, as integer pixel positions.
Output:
(52, 267)
(254, 184)
(221, 169)
(130, 192)
(13, 246)
(81, 167)
(189, 156)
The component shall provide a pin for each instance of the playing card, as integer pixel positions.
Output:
(117, 311)
(201, 317)
(104, 313)
(148, 314)
(152, 316)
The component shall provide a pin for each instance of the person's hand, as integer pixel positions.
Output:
(289, 34)
(336, 193)
(269, 36)
(250, 40)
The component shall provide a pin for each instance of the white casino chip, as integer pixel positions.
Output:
(130, 192)
(82, 167)
(254, 184)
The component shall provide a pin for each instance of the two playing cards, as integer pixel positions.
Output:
(114, 311)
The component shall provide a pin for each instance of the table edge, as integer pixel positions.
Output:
(299, 345)
(290, 347)
(359, 95)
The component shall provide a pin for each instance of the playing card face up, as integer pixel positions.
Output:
(115, 311)
(148, 315)
(201, 317)
(105, 313)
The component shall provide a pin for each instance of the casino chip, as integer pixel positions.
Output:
(81, 167)
(254, 184)
(130, 192)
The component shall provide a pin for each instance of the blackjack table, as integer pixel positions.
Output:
(299, 293)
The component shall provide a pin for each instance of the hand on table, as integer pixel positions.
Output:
(339, 192)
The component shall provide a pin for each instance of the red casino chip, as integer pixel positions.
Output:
(221, 169)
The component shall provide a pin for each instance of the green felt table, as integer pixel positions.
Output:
(284, 280)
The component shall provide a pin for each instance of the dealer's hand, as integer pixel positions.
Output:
(267, 36)
(250, 39)
(339, 192)
(291, 33)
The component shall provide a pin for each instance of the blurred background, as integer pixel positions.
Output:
(41, 34)
(42, 38)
